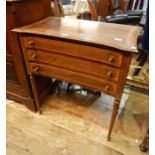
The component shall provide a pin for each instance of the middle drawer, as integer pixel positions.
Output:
(74, 64)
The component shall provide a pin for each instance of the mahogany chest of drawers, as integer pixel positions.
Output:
(91, 54)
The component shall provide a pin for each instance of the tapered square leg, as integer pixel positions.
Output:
(113, 118)
(35, 93)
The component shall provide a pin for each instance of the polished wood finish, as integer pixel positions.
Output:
(120, 86)
(117, 36)
(67, 62)
(20, 13)
(99, 46)
(73, 77)
(91, 53)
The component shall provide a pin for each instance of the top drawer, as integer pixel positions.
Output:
(82, 51)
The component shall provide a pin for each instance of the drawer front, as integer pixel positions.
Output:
(82, 51)
(75, 64)
(73, 77)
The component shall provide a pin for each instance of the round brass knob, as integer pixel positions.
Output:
(35, 69)
(106, 88)
(109, 74)
(34, 56)
(31, 43)
(111, 59)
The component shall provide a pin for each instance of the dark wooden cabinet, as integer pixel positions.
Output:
(20, 13)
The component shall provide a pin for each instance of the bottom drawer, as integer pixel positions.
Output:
(74, 77)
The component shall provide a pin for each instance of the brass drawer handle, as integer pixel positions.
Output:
(106, 88)
(31, 43)
(109, 74)
(34, 56)
(111, 59)
(35, 69)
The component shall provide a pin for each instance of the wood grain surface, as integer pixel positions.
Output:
(76, 123)
(122, 37)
